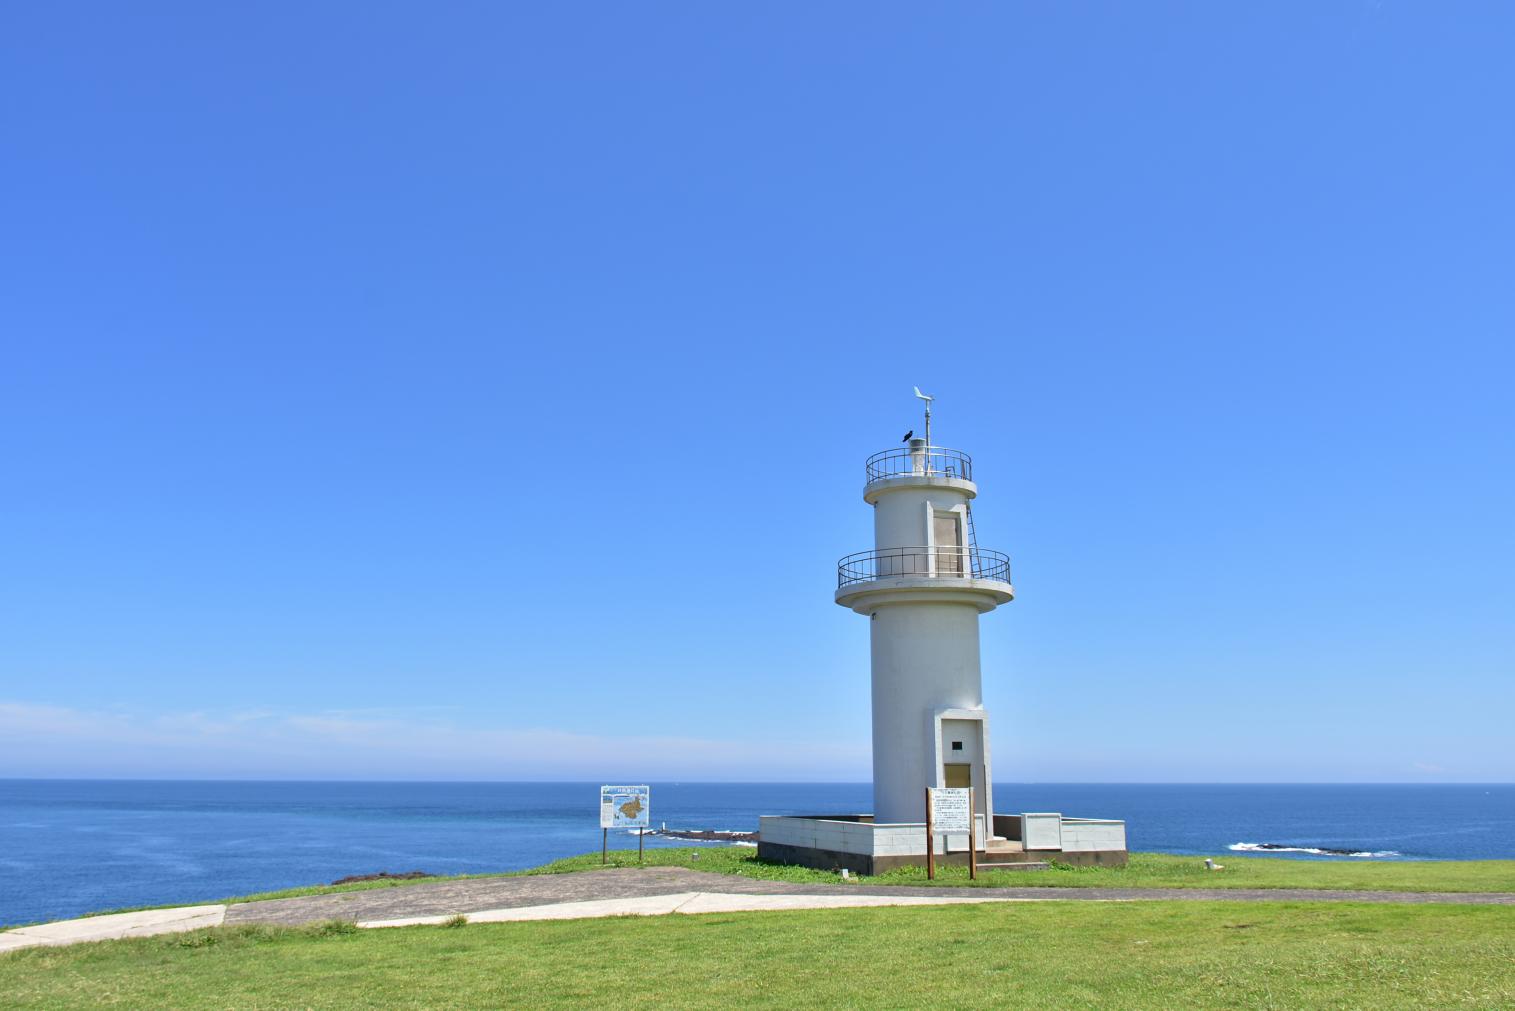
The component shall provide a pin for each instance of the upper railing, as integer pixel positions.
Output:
(920, 461)
(930, 562)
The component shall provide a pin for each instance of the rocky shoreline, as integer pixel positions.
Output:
(382, 876)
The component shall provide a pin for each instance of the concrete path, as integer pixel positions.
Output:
(652, 891)
(113, 926)
(691, 903)
(449, 898)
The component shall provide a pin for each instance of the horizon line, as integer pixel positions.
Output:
(738, 782)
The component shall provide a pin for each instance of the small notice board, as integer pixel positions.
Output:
(625, 806)
(952, 811)
(949, 811)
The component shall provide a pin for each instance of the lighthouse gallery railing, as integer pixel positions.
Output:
(920, 461)
(923, 561)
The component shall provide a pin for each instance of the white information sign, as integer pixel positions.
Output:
(624, 806)
(949, 811)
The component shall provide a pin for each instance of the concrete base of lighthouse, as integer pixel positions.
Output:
(1018, 842)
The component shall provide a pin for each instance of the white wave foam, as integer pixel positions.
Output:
(1252, 847)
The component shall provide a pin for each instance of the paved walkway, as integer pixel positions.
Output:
(689, 903)
(652, 891)
(115, 925)
(453, 897)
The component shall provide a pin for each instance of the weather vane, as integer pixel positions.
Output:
(928, 400)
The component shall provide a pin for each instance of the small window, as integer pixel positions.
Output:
(957, 745)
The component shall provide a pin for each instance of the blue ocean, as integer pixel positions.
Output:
(71, 847)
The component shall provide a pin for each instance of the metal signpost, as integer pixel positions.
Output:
(949, 811)
(624, 807)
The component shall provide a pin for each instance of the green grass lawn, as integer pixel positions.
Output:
(1146, 870)
(1042, 955)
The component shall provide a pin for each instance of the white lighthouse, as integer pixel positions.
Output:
(923, 587)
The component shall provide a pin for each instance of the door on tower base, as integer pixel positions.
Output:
(959, 775)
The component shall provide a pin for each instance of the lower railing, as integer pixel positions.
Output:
(923, 561)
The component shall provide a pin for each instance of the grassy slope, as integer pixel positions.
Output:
(1146, 870)
(1136, 955)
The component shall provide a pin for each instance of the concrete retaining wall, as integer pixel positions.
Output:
(1090, 835)
(855, 842)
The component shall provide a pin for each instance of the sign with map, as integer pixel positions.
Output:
(624, 806)
(949, 811)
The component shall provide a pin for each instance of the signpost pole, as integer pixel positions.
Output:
(972, 842)
(930, 841)
(604, 845)
(641, 832)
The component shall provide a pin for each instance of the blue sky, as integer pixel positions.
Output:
(481, 391)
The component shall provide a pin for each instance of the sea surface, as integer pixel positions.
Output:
(69, 847)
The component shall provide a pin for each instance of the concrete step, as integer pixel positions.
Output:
(1004, 846)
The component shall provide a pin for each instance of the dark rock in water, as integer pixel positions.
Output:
(382, 876)
(1322, 850)
(705, 834)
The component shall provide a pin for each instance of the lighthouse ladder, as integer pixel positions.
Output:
(974, 567)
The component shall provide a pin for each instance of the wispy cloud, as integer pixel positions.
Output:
(43, 740)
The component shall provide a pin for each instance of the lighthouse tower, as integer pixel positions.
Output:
(923, 587)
